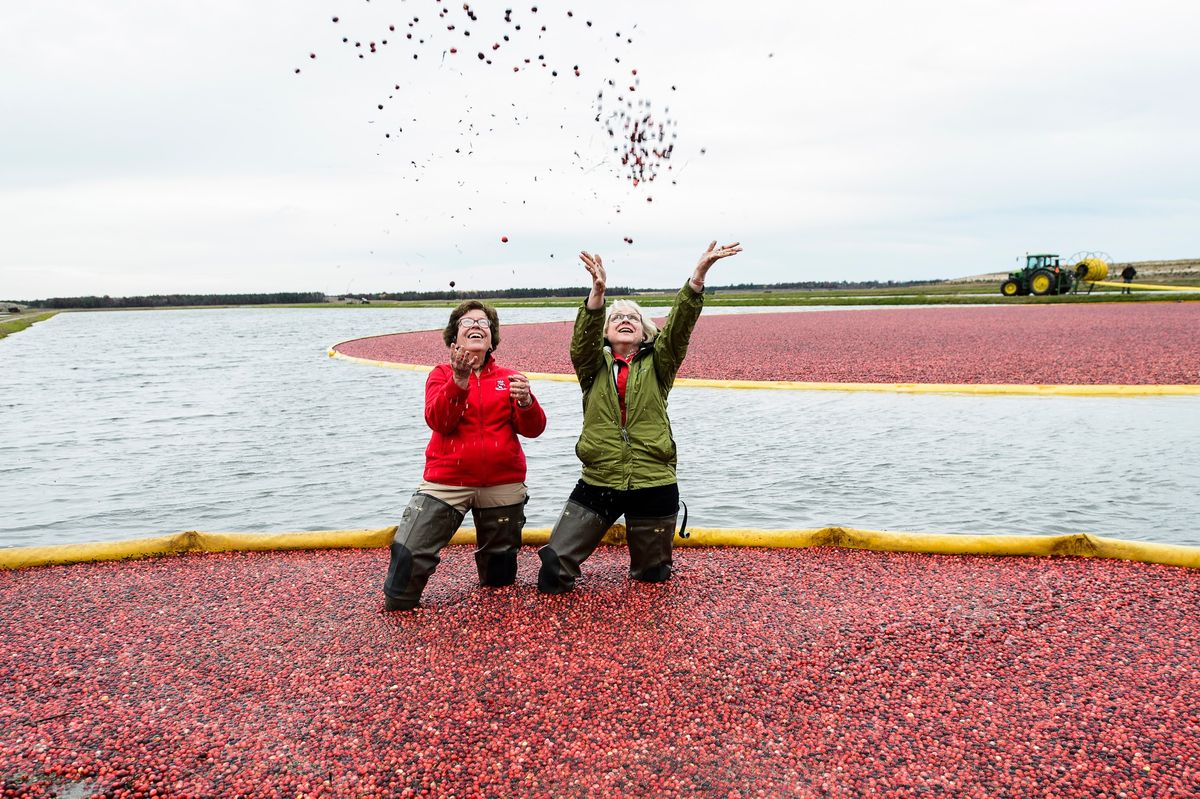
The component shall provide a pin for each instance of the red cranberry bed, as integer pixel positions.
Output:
(1109, 343)
(752, 673)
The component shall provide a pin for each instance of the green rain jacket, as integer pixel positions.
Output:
(642, 453)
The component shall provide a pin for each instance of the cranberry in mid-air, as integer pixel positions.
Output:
(504, 239)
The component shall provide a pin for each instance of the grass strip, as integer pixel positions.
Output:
(22, 322)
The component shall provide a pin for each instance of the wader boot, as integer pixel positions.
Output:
(497, 541)
(426, 527)
(574, 538)
(650, 542)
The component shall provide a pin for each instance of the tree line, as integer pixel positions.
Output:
(294, 297)
(160, 300)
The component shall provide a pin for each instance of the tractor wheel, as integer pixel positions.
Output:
(1041, 283)
(1010, 288)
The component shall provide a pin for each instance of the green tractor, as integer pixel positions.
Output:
(1043, 274)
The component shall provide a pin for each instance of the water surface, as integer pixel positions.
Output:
(133, 423)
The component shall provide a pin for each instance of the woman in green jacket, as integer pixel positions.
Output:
(626, 367)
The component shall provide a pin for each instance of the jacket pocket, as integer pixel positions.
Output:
(660, 445)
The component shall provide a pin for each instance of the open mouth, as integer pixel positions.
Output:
(475, 336)
(626, 328)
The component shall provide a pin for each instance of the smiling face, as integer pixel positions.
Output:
(472, 336)
(624, 331)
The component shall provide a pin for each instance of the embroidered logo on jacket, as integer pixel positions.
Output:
(500, 385)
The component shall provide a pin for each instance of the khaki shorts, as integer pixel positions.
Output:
(463, 498)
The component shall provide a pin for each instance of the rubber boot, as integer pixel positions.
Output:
(426, 527)
(497, 540)
(650, 544)
(574, 538)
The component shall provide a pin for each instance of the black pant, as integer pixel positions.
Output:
(640, 503)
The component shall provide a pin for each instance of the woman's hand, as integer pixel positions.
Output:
(595, 267)
(518, 389)
(462, 361)
(710, 257)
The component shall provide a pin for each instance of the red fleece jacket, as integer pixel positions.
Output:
(474, 441)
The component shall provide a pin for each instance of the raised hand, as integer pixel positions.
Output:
(518, 389)
(595, 266)
(462, 361)
(711, 256)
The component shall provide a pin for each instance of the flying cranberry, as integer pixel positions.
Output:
(451, 284)
(504, 239)
(312, 55)
(335, 19)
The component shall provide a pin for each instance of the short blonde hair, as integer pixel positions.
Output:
(649, 329)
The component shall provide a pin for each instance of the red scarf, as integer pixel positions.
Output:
(622, 363)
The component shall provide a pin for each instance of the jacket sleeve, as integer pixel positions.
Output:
(587, 345)
(444, 401)
(531, 421)
(671, 345)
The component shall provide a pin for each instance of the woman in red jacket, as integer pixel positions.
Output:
(476, 409)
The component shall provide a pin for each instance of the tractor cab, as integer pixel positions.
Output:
(1044, 261)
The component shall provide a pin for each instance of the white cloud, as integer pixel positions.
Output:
(154, 147)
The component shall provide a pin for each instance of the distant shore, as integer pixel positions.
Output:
(974, 290)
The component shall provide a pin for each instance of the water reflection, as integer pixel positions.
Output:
(124, 424)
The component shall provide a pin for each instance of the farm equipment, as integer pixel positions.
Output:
(1045, 274)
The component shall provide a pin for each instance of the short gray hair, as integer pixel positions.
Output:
(649, 329)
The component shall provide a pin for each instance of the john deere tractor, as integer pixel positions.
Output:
(1043, 274)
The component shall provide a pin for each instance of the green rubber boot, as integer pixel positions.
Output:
(650, 545)
(574, 538)
(426, 527)
(497, 541)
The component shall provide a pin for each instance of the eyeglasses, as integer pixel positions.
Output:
(625, 317)
(467, 322)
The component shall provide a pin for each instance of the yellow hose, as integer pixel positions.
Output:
(1155, 286)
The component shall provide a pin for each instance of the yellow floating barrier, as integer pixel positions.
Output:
(1082, 545)
(192, 541)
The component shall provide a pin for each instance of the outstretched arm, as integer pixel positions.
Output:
(670, 347)
(595, 267)
(587, 340)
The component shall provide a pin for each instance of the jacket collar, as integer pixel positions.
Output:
(643, 348)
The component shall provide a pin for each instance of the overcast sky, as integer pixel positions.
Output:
(157, 147)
